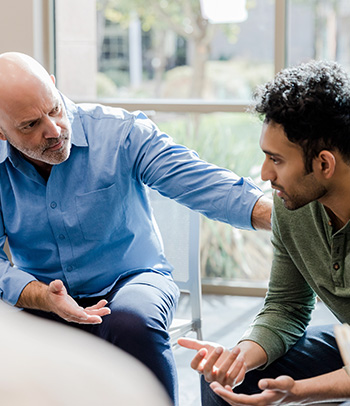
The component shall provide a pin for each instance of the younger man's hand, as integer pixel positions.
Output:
(216, 363)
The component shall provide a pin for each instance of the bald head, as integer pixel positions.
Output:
(16, 68)
(20, 74)
(23, 81)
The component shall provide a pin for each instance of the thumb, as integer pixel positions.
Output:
(282, 383)
(56, 286)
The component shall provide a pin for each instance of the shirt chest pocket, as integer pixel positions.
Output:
(100, 213)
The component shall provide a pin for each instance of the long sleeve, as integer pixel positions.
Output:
(178, 173)
(91, 222)
(12, 279)
(288, 304)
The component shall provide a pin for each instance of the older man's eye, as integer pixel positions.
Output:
(55, 111)
(30, 125)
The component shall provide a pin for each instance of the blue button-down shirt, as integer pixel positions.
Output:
(91, 222)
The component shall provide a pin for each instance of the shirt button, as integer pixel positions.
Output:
(336, 266)
(70, 268)
(330, 222)
(53, 205)
(61, 237)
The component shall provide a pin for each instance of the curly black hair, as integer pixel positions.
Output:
(312, 103)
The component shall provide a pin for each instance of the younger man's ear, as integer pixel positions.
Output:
(324, 164)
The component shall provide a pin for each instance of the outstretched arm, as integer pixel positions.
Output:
(54, 298)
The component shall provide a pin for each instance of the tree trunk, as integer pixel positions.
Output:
(200, 56)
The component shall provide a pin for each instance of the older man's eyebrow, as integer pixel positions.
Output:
(26, 122)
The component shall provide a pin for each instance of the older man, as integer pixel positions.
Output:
(78, 220)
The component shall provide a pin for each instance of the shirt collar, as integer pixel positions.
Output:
(5, 150)
(78, 134)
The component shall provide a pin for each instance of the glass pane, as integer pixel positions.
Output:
(230, 140)
(318, 29)
(93, 59)
(210, 49)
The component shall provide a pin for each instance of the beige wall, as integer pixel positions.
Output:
(76, 55)
(25, 27)
(15, 26)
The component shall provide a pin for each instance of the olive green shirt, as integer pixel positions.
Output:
(309, 259)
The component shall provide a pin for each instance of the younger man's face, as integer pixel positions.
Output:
(284, 168)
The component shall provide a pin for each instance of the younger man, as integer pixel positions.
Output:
(306, 141)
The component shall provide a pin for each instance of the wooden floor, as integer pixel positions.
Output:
(225, 318)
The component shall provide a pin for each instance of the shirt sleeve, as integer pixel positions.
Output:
(178, 173)
(289, 302)
(12, 279)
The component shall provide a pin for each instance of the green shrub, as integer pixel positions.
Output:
(230, 140)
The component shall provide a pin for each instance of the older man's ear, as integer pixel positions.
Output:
(2, 135)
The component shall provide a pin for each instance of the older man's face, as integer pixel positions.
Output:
(34, 121)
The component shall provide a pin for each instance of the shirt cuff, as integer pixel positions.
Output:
(268, 340)
(13, 283)
(240, 203)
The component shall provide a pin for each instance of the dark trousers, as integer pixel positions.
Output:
(315, 353)
(142, 308)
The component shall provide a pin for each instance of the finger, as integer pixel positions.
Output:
(282, 383)
(226, 395)
(76, 314)
(215, 385)
(208, 370)
(222, 391)
(224, 369)
(80, 320)
(235, 399)
(199, 360)
(190, 343)
(99, 308)
(98, 312)
(240, 376)
(101, 304)
(92, 320)
(235, 372)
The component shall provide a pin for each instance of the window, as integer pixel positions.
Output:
(176, 53)
(193, 65)
(325, 33)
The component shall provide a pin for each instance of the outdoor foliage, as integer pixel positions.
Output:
(231, 141)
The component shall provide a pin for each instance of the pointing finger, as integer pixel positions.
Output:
(190, 343)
